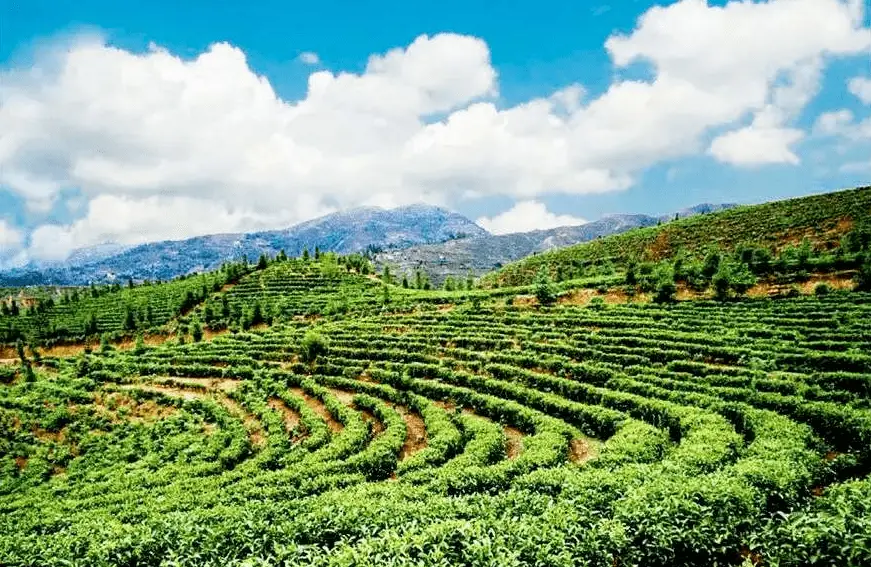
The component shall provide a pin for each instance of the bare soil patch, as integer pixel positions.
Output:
(319, 408)
(581, 451)
(513, 442)
(290, 417)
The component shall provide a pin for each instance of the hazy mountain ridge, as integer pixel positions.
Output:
(409, 238)
(484, 253)
(354, 230)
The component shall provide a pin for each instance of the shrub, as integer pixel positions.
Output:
(544, 289)
(197, 331)
(863, 276)
(822, 289)
(313, 345)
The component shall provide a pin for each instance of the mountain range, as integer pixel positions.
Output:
(438, 241)
(481, 254)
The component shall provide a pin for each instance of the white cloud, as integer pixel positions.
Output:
(856, 167)
(147, 131)
(309, 58)
(526, 216)
(10, 237)
(753, 146)
(834, 122)
(861, 88)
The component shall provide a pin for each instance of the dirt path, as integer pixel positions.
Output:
(251, 423)
(415, 436)
(513, 442)
(320, 409)
(347, 398)
(211, 384)
(513, 436)
(290, 417)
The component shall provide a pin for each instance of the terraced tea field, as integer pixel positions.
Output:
(698, 433)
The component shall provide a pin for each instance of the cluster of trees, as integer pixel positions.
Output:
(421, 281)
(358, 263)
(732, 274)
(727, 274)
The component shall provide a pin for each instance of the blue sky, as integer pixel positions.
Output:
(124, 122)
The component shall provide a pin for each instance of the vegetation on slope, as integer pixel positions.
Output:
(821, 221)
(348, 418)
(696, 434)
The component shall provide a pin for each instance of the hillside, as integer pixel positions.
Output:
(482, 254)
(350, 231)
(821, 219)
(694, 434)
(307, 411)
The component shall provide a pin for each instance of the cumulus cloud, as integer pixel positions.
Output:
(143, 133)
(753, 146)
(526, 216)
(10, 237)
(861, 88)
(833, 122)
(309, 58)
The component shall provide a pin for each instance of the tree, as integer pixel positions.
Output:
(722, 280)
(711, 264)
(262, 262)
(196, 331)
(470, 281)
(544, 289)
(631, 277)
(863, 276)
(405, 281)
(742, 279)
(732, 276)
(256, 314)
(385, 294)
(449, 284)
(386, 277)
(313, 345)
(91, 327)
(139, 346)
(129, 319)
(665, 286)
(305, 255)
(19, 348)
(317, 252)
(803, 253)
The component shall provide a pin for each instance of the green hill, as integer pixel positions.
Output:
(820, 220)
